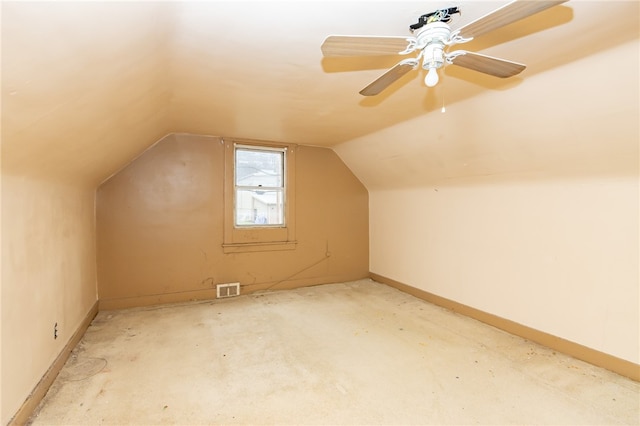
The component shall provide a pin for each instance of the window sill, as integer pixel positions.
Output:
(255, 247)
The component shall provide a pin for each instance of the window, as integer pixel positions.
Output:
(259, 196)
(259, 186)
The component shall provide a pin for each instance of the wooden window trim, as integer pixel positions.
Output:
(252, 239)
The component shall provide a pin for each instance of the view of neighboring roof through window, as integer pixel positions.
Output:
(259, 186)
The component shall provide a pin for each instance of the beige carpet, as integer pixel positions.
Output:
(350, 353)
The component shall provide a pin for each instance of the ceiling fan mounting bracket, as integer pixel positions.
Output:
(440, 15)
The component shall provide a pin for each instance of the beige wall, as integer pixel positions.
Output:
(558, 256)
(160, 227)
(48, 276)
(528, 210)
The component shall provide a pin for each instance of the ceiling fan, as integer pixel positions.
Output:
(432, 38)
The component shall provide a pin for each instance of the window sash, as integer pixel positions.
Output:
(258, 210)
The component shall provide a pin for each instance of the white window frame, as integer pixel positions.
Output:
(282, 188)
(245, 238)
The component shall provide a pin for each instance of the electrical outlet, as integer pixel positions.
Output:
(55, 331)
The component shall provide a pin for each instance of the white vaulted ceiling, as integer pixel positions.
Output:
(86, 86)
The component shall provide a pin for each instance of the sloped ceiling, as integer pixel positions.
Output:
(86, 86)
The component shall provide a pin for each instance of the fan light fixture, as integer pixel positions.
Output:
(432, 39)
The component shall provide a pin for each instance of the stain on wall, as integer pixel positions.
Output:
(160, 227)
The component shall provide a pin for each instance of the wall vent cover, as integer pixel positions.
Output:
(227, 290)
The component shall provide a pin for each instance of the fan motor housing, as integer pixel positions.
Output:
(434, 32)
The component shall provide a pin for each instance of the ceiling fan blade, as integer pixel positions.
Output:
(389, 77)
(485, 64)
(511, 12)
(337, 45)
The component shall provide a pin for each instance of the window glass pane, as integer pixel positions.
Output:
(256, 207)
(259, 168)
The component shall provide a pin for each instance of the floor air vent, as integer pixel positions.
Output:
(227, 290)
